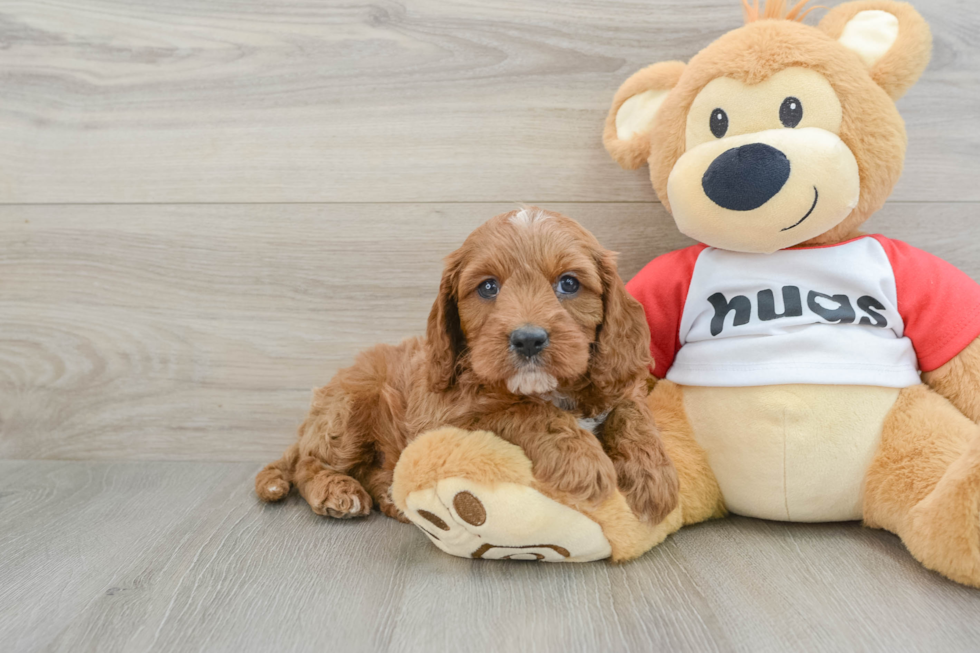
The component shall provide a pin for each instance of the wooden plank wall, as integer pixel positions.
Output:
(208, 208)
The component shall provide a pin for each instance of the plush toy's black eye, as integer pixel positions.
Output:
(568, 285)
(488, 288)
(791, 112)
(719, 123)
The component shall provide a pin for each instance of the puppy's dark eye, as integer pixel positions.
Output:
(568, 285)
(719, 123)
(791, 112)
(488, 288)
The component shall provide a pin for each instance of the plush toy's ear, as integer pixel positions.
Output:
(892, 39)
(634, 108)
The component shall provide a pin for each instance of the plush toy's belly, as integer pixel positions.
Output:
(790, 452)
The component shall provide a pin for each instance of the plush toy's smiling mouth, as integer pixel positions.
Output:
(816, 197)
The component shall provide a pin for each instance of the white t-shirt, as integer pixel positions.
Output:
(869, 311)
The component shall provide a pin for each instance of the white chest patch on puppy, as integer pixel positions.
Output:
(592, 424)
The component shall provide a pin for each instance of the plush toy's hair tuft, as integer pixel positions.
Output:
(776, 9)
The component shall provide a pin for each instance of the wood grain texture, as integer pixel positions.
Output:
(197, 332)
(368, 100)
(182, 557)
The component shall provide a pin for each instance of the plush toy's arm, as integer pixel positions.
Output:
(940, 307)
(959, 381)
(644, 471)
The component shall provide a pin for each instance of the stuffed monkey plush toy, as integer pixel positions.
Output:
(809, 372)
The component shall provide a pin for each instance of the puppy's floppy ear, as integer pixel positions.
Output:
(622, 347)
(634, 109)
(891, 38)
(445, 342)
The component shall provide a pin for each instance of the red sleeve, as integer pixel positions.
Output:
(662, 288)
(939, 304)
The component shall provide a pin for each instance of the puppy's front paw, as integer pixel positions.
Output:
(583, 474)
(650, 486)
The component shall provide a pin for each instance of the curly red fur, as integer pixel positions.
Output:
(466, 374)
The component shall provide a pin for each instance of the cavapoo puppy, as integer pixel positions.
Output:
(532, 337)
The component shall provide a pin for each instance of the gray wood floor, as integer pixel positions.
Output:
(206, 209)
(133, 556)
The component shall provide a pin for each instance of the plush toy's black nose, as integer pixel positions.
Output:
(744, 178)
(528, 341)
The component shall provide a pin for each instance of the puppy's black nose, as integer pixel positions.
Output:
(744, 178)
(528, 340)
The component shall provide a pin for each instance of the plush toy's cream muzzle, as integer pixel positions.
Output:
(764, 191)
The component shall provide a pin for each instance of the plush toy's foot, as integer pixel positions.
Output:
(473, 494)
(944, 528)
(504, 521)
(924, 484)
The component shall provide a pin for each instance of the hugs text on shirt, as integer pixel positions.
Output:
(833, 309)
